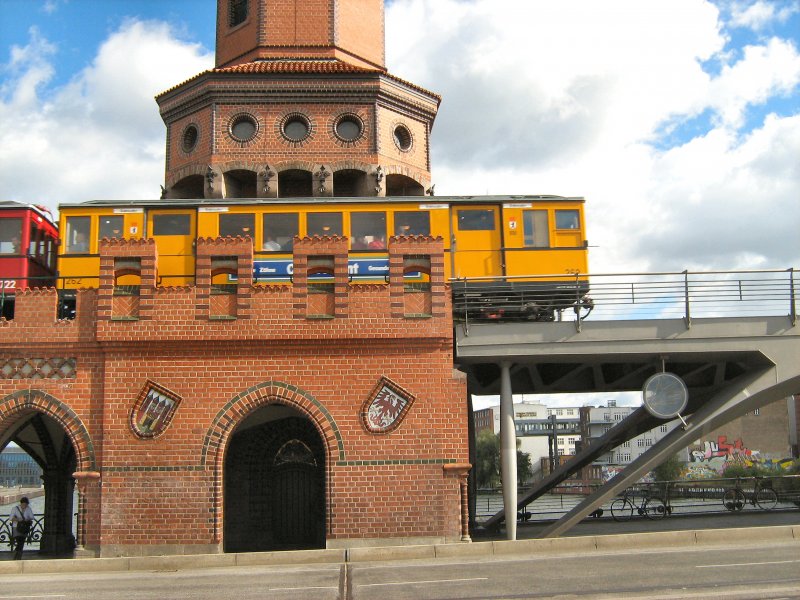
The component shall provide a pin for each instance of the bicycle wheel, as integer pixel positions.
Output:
(766, 498)
(654, 508)
(622, 509)
(733, 500)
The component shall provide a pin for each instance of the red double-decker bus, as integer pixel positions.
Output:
(28, 248)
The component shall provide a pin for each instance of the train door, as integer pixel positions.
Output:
(477, 240)
(174, 234)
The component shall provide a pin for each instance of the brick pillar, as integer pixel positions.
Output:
(207, 249)
(113, 249)
(335, 246)
(433, 248)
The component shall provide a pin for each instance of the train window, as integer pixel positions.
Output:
(476, 220)
(368, 230)
(329, 223)
(110, 227)
(35, 241)
(536, 229)
(412, 223)
(167, 224)
(10, 236)
(232, 224)
(279, 230)
(78, 234)
(567, 219)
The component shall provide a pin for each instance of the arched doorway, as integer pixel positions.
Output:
(274, 489)
(46, 442)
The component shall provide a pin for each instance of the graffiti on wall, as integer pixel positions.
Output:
(712, 457)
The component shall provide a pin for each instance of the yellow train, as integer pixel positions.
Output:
(512, 256)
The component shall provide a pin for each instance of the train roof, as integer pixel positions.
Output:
(431, 200)
(42, 211)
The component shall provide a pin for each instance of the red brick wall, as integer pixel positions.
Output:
(380, 485)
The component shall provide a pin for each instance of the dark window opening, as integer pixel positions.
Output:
(171, 224)
(279, 231)
(325, 223)
(238, 12)
(110, 227)
(476, 220)
(295, 184)
(412, 223)
(231, 225)
(368, 231)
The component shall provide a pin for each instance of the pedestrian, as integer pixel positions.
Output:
(21, 523)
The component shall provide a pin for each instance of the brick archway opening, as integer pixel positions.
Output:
(274, 483)
(49, 432)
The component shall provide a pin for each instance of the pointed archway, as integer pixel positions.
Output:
(274, 488)
(52, 434)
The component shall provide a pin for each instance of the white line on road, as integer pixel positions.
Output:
(294, 589)
(428, 581)
(750, 564)
(20, 597)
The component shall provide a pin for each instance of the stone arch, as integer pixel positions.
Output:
(184, 182)
(242, 405)
(15, 405)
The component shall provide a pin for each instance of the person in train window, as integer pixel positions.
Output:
(271, 244)
(80, 244)
(378, 243)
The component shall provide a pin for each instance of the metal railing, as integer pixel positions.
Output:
(627, 296)
(34, 535)
(682, 497)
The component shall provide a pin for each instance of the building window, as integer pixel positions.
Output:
(559, 412)
(348, 128)
(237, 12)
(756, 412)
(243, 127)
(189, 138)
(402, 138)
(296, 127)
(663, 429)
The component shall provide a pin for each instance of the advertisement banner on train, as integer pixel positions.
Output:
(359, 268)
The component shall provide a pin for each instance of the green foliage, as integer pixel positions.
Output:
(670, 469)
(751, 471)
(487, 463)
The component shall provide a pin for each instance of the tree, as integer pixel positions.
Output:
(670, 469)
(487, 451)
(487, 467)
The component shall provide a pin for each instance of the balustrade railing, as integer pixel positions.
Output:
(627, 296)
(34, 535)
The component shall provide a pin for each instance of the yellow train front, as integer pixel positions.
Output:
(508, 257)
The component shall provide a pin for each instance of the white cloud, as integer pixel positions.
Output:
(100, 136)
(573, 98)
(758, 15)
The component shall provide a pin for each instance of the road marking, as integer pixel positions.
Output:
(20, 597)
(294, 589)
(750, 564)
(428, 581)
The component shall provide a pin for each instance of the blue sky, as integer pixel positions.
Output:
(678, 120)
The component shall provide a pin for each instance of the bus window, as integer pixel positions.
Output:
(233, 224)
(329, 223)
(368, 230)
(279, 231)
(10, 236)
(78, 234)
(536, 230)
(476, 220)
(567, 219)
(417, 222)
(110, 227)
(169, 224)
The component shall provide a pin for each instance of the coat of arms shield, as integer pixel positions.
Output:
(386, 407)
(153, 410)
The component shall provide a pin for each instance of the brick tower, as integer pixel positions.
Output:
(299, 104)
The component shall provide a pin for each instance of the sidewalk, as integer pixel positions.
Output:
(578, 544)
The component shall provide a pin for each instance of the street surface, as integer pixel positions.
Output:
(736, 572)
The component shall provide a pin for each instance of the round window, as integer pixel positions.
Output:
(243, 128)
(348, 128)
(190, 135)
(296, 128)
(402, 138)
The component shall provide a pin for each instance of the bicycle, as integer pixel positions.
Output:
(651, 507)
(734, 499)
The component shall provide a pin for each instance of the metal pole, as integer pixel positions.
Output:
(508, 451)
